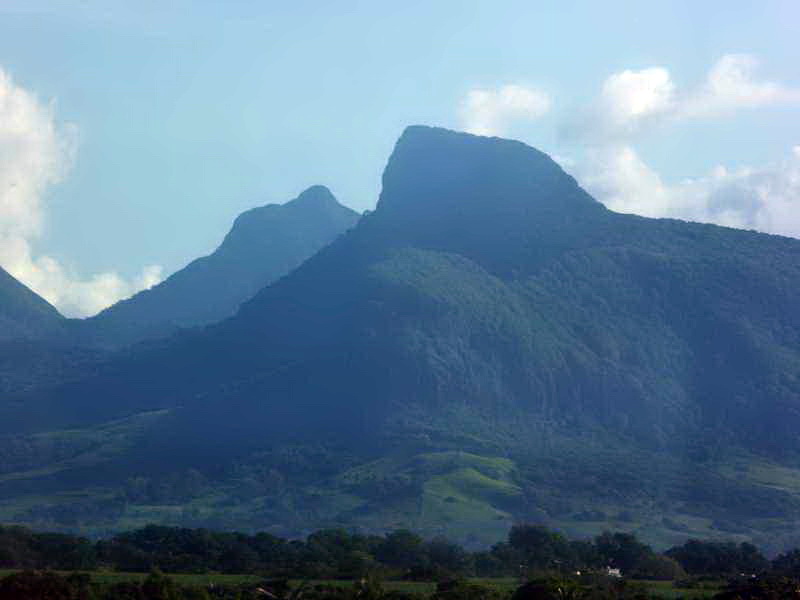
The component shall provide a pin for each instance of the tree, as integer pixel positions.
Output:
(540, 547)
(622, 550)
(402, 548)
(449, 557)
(718, 558)
(158, 586)
(39, 585)
(787, 563)
(658, 566)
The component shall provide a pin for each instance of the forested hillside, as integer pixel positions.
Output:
(490, 344)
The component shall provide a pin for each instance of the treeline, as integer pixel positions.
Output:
(49, 585)
(338, 554)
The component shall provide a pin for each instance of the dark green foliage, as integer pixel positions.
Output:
(263, 245)
(23, 549)
(591, 588)
(540, 548)
(658, 567)
(534, 590)
(721, 558)
(182, 550)
(402, 549)
(787, 563)
(158, 586)
(32, 585)
(762, 588)
(535, 548)
(531, 551)
(324, 554)
(49, 586)
(488, 306)
(553, 589)
(125, 590)
(25, 314)
(26, 360)
(462, 590)
(447, 557)
(622, 551)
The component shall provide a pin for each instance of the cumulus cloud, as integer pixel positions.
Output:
(632, 97)
(766, 199)
(36, 153)
(490, 111)
(732, 85)
(633, 101)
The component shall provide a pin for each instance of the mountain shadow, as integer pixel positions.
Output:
(264, 244)
(23, 313)
(490, 344)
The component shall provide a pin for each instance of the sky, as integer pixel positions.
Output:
(133, 133)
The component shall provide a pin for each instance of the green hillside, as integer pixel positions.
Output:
(264, 244)
(489, 345)
(23, 313)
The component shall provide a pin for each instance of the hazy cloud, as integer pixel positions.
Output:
(731, 85)
(36, 153)
(766, 199)
(630, 98)
(490, 111)
(633, 101)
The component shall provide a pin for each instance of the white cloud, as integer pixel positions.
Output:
(616, 176)
(490, 111)
(35, 153)
(632, 101)
(766, 199)
(731, 85)
(630, 97)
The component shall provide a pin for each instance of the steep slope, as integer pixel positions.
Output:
(23, 313)
(489, 344)
(263, 245)
(28, 324)
(33, 346)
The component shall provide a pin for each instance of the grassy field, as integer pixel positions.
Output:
(661, 589)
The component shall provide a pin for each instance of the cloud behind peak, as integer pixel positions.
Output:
(36, 152)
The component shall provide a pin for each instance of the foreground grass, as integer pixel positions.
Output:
(506, 585)
(187, 579)
(667, 590)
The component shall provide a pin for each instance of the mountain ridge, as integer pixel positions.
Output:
(624, 364)
(23, 313)
(263, 244)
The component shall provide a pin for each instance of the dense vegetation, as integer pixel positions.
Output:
(23, 313)
(401, 554)
(490, 345)
(264, 244)
(551, 564)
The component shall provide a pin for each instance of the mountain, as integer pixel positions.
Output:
(28, 326)
(23, 313)
(489, 345)
(264, 244)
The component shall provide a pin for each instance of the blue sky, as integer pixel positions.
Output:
(160, 124)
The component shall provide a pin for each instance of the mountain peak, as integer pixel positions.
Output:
(433, 168)
(316, 195)
(316, 198)
(23, 313)
(497, 201)
(264, 244)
